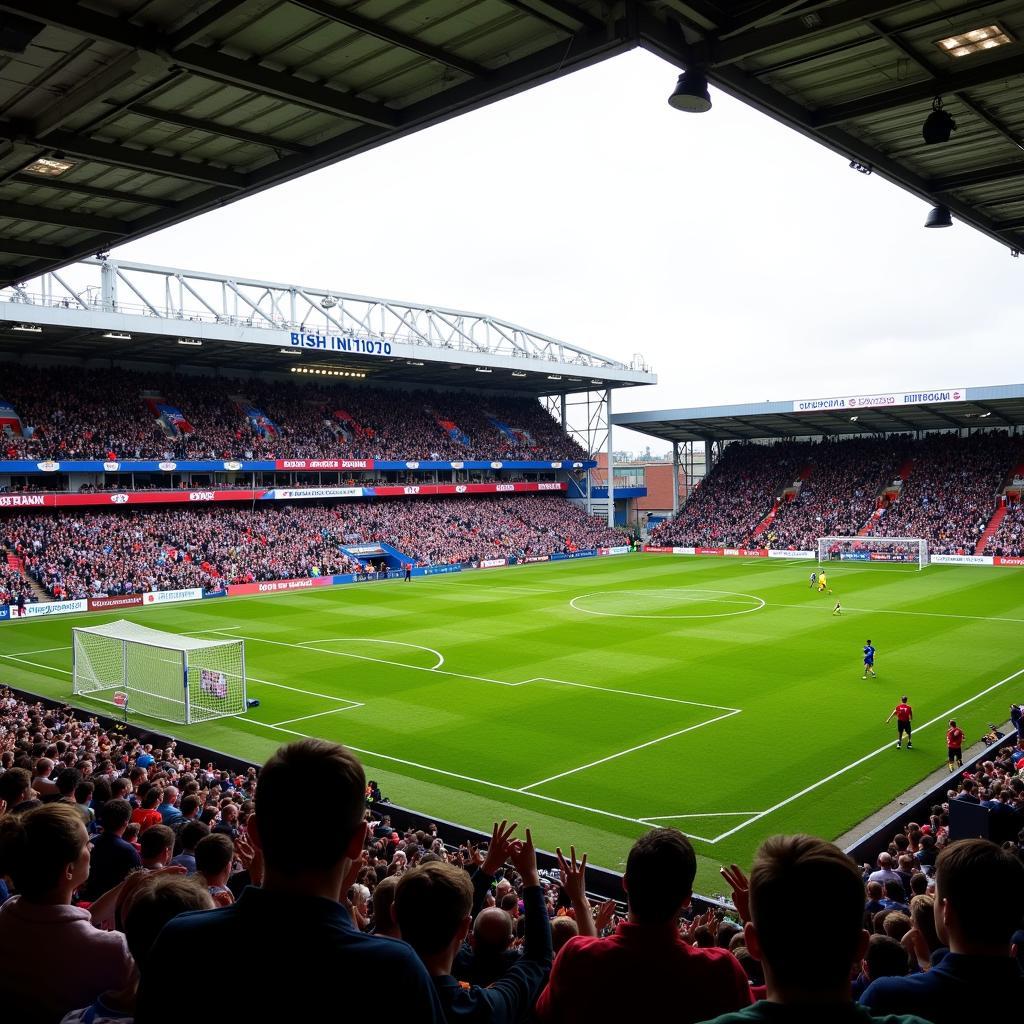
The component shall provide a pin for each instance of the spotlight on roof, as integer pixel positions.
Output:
(938, 125)
(691, 93)
(938, 217)
(861, 168)
(117, 336)
(518, 373)
(28, 328)
(328, 302)
(484, 369)
(853, 419)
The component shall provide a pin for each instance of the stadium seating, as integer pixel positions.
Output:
(116, 414)
(87, 554)
(947, 494)
(1008, 540)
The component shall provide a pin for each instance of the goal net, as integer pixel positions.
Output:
(157, 674)
(908, 550)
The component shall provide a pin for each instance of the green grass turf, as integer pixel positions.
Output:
(588, 726)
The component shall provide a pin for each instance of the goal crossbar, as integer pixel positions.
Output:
(159, 674)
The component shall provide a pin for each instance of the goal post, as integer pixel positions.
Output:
(907, 550)
(165, 675)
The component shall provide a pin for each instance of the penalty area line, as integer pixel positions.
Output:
(630, 750)
(457, 775)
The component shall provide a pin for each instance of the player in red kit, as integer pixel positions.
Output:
(954, 745)
(904, 713)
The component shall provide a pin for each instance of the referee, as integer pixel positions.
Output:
(904, 714)
(954, 746)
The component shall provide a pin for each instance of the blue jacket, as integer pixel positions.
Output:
(953, 990)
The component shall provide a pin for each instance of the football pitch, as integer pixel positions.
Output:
(592, 699)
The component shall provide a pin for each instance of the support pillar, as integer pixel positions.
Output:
(675, 477)
(611, 458)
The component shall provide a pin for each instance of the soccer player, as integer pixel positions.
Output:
(954, 746)
(838, 610)
(823, 583)
(869, 661)
(814, 579)
(904, 714)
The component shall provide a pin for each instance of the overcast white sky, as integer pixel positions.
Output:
(743, 261)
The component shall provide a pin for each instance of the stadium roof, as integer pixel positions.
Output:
(135, 312)
(118, 117)
(936, 409)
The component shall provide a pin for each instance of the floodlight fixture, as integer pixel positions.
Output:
(938, 125)
(691, 93)
(938, 217)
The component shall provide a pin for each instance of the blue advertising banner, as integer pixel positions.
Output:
(5, 612)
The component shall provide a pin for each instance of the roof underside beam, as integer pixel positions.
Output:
(63, 218)
(203, 61)
(61, 185)
(139, 159)
(979, 176)
(919, 92)
(369, 27)
(795, 29)
(214, 128)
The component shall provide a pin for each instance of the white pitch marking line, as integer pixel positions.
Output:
(44, 650)
(673, 590)
(36, 664)
(333, 711)
(629, 693)
(623, 753)
(222, 629)
(901, 611)
(867, 757)
(371, 640)
(705, 814)
(457, 775)
(481, 679)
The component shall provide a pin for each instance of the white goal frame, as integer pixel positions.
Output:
(854, 546)
(158, 674)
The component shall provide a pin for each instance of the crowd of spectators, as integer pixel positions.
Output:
(121, 861)
(839, 493)
(73, 413)
(950, 494)
(730, 502)
(947, 499)
(83, 554)
(1008, 540)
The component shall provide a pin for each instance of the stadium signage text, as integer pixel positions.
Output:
(340, 343)
(492, 563)
(169, 596)
(324, 464)
(880, 401)
(99, 604)
(21, 500)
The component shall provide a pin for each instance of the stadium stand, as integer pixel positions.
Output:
(1008, 540)
(839, 494)
(950, 494)
(941, 913)
(84, 554)
(735, 497)
(122, 414)
(943, 487)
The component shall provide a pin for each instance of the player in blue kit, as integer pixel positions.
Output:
(869, 661)
(814, 579)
